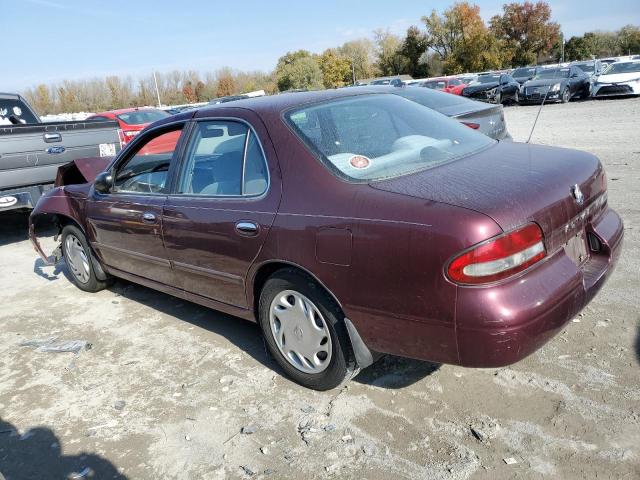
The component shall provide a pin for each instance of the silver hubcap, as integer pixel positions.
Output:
(300, 332)
(76, 258)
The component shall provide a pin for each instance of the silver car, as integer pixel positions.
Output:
(484, 117)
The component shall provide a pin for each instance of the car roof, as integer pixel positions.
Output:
(284, 101)
(124, 110)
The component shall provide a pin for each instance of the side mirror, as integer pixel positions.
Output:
(103, 182)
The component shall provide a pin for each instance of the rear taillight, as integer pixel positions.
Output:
(475, 126)
(129, 134)
(499, 257)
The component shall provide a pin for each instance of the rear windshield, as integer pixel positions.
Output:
(17, 108)
(140, 117)
(553, 73)
(627, 67)
(374, 137)
(436, 100)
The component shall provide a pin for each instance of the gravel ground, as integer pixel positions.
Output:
(167, 386)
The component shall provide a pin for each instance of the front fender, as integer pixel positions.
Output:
(52, 206)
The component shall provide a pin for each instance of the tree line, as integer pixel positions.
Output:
(454, 41)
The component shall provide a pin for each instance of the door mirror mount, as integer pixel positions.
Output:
(103, 182)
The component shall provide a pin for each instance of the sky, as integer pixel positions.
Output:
(45, 41)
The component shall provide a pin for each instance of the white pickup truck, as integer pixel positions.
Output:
(32, 151)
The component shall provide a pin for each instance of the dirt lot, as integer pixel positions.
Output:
(167, 386)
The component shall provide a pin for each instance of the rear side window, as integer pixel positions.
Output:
(224, 158)
(373, 137)
(15, 107)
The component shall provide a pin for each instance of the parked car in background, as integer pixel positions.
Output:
(494, 88)
(524, 74)
(593, 68)
(556, 85)
(32, 151)
(446, 84)
(462, 249)
(621, 78)
(395, 82)
(485, 118)
(131, 120)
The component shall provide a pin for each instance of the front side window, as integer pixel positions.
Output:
(146, 170)
(373, 137)
(224, 158)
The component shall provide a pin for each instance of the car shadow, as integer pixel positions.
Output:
(637, 345)
(60, 267)
(388, 372)
(37, 453)
(15, 226)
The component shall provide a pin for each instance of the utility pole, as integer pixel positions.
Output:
(155, 79)
(561, 47)
(353, 71)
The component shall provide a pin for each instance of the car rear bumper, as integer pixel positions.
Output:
(502, 324)
(24, 197)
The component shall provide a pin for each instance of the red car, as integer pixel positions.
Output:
(446, 84)
(346, 222)
(131, 120)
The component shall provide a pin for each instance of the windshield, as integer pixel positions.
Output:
(524, 72)
(17, 108)
(488, 79)
(627, 67)
(373, 137)
(435, 84)
(553, 73)
(586, 67)
(140, 117)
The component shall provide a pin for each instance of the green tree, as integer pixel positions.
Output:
(361, 53)
(576, 49)
(336, 69)
(462, 40)
(390, 58)
(414, 49)
(629, 40)
(298, 70)
(527, 32)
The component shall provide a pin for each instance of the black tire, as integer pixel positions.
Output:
(566, 95)
(342, 364)
(498, 98)
(92, 284)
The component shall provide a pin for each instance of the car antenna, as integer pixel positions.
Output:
(537, 115)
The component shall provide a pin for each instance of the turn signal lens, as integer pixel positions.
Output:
(499, 257)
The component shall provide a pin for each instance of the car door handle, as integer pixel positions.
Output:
(52, 137)
(148, 217)
(247, 228)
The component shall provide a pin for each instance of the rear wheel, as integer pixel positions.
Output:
(305, 332)
(79, 260)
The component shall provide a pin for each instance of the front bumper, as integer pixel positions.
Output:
(615, 89)
(500, 325)
(528, 95)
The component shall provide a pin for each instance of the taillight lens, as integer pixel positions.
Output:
(129, 134)
(500, 257)
(475, 126)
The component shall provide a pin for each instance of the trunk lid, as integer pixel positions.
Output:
(515, 183)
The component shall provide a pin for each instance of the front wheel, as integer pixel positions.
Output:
(78, 257)
(566, 95)
(305, 331)
(516, 97)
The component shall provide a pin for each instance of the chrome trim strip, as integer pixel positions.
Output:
(140, 256)
(207, 272)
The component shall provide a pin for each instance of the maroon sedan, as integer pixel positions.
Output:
(347, 224)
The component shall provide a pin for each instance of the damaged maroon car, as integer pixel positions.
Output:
(347, 224)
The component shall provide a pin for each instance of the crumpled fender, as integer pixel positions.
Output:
(55, 202)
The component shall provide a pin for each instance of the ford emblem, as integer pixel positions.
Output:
(56, 150)
(577, 194)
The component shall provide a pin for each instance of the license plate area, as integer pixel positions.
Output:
(576, 248)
